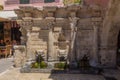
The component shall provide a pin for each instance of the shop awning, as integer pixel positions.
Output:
(8, 15)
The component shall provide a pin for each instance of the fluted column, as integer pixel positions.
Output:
(95, 44)
(72, 54)
(30, 55)
(50, 46)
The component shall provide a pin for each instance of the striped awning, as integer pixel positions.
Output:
(8, 15)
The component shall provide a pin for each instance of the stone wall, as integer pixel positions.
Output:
(70, 31)
(110, 32)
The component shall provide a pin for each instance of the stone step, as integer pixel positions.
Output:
(35, 38)
(39, 44)
(43, 42)
(38, 47)
(46, 79)
(37, 41)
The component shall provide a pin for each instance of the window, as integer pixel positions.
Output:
(24, 1)
(47, 1)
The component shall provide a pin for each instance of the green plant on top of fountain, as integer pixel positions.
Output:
(39, 65)
(43, 64)
(35, 65)
(60, 65)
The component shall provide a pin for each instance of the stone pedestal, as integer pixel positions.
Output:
(51, 55)
(95, 44)
(19, 55)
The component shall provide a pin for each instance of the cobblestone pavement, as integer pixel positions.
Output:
(5, 64)
(14, 74)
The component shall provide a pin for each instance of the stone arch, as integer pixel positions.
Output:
(109, 36)
(108, 46)
(112, 35)
(112, 42)
(110, 55)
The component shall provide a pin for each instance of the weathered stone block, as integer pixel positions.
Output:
(50, 8)
(73, 8)
(50, 14)
(26, 8)
(72, 14)
(27, 18)
(61, 13)
(96, 19)
(35, 29)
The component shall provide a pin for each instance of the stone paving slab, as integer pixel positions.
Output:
(5, 63)
(112, 73)
(14, 74)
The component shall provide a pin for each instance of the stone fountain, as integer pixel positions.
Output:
(70, 32)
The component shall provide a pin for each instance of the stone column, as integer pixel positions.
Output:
(72, 56)
(73, 36)
(95, 44)
(50, 46)
(29, 54)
